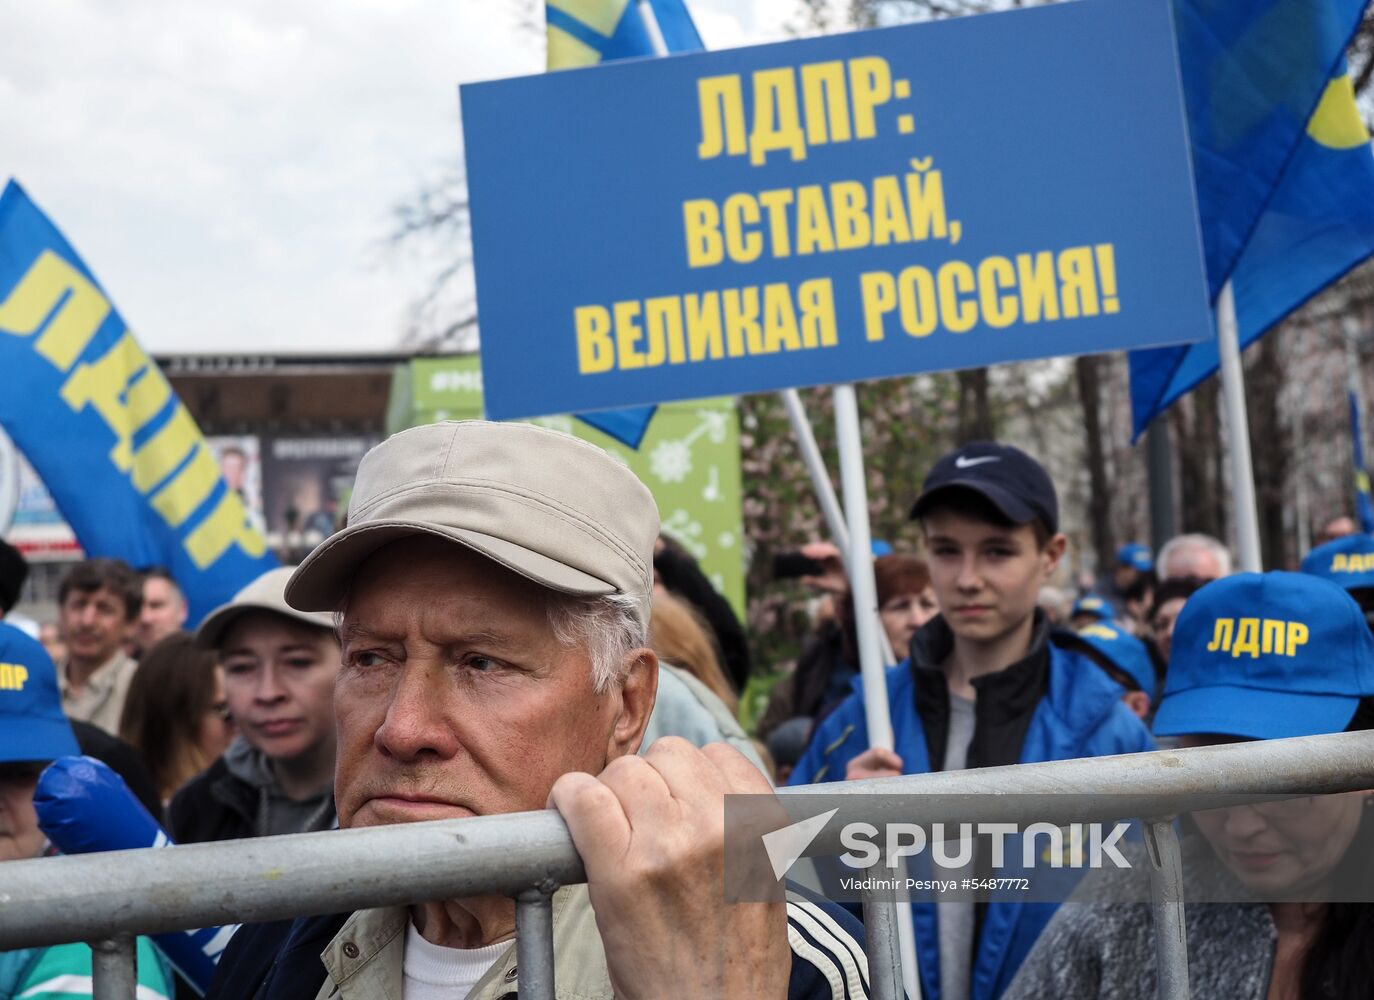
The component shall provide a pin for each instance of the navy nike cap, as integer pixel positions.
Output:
(1013, 482)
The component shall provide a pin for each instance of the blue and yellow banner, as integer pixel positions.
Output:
(99, 422)
(833, 209)
(588, 32)
(1319, 223)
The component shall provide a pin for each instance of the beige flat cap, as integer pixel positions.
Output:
(266, 593)
(546, 505)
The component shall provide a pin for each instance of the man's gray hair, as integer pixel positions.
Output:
(1176, 549)
(606, 627)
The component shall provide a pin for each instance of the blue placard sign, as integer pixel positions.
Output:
(920, 198)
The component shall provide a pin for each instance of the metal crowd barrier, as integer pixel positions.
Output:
(526, 856)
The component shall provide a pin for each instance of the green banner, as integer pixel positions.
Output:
(689, 458)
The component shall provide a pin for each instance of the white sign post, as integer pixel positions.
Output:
(864, 589)
(825, 495)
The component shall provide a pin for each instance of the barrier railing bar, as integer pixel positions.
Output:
(114, 969)
(1166, 896)
(85, 897)
(1097, 789)
(880, 945)
(534, 944)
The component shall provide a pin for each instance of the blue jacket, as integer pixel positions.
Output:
(1079, 715)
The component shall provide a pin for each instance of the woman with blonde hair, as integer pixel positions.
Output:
(679, 635)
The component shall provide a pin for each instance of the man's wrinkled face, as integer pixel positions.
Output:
(163, 612)
(94, 623)
(455, 698)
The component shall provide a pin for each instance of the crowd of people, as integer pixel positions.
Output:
(501, 627)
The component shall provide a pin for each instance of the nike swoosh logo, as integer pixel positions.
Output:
(967, 463)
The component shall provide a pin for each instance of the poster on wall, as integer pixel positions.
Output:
(306, 482)
(240, 463)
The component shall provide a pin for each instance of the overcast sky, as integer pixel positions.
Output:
(227, 170)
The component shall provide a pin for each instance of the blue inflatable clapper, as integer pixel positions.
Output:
(84, 807)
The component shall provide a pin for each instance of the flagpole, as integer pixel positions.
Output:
(1238, 429)
(650, 19)
(820, 475)
(862, 584)
(863, 588)
(825, 493)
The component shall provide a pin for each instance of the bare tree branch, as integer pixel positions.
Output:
(436, 217)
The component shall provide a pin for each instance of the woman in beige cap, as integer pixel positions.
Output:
(279, 669)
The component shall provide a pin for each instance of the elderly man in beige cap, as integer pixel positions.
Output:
(492, 591)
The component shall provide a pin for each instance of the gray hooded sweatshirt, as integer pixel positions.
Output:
(1106, 951)
(273, 812)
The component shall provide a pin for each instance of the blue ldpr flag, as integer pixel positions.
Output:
(588, 32)
(98, 421)
(1364, 504)
(1253, 71)
(1318, 224)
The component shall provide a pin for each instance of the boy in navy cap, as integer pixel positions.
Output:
(984, 686)
(33, 732)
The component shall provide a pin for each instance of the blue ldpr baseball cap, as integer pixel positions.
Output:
(33, 726)
(1124, 651)
(1267, 656)
(1091, 604)
(1136, 556)
(1347, 562)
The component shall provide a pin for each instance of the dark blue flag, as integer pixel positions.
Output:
(1253, 71)
(1318, 224)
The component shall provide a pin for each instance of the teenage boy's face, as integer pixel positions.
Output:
(986, 577)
